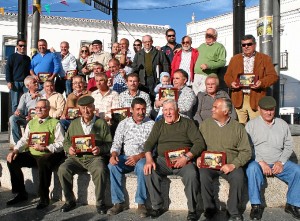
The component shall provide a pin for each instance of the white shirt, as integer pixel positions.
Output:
(87, 127)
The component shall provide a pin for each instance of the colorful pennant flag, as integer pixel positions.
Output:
(2, 11)
(64, 2)
(47, 7)
(38, 7)
(83, 1)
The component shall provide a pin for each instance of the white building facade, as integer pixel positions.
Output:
(289, 24)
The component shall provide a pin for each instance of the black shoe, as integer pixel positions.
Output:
(42, 204)
(192, 216)
(155, 213)
(236, 218)
(67, 207)
(101, 209)
(294, 210)
(209, 213)
(256, 212)
(20, 197)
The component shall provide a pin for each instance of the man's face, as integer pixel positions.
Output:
(179, 80)
(147, 42)
(138, 112)
(64, 48)
(33, 85)
(21, 47)
(87, 112)
(123, 44)
(48, 87)
(210, 36)
(170, 113)
(41, 110)
(217, 110)
(96, 47)
(97, 69)
(78, 84)
(211, 86)
(132, 83)
(267, 115)
(113, 67)
(186, 44)
(248, 47)
(171, 37)
(115, 48)
(101, 82)
(42, 46)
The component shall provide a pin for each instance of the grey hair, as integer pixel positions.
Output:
(215, 31)
(46, 101)
(171, 101)
(227, 104)
(28, 79)
(213, 76)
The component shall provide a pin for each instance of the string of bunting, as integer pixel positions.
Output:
(2, 11)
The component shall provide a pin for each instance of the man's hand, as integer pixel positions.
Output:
(198, 163)
(35, 95)
(9, 85)
(85, 70)
(12, 156)
(180, 162)
(96, 150)
(149, 165)
(72, 151)
(51, 77)
(123, 73)
(63, 117)
(28, 118)
(235, 85)
(256, 85)
(132, 160)
(38, 147)
(159, 103)
(277, 167)
(265, 168)
(227, 168)
(204, 67)
(17, 112)
(114, 159)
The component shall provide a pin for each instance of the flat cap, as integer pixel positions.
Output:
(86, 100)
(97, 42)
(267, 103)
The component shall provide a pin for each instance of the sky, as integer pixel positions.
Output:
(176, 13)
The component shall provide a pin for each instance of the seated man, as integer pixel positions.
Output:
(27, 101)
(132, 133)
(168, 134)
(57, 101)
(118, 75)
(222, 133)
(273, 145)
(206, 99)
(46, 158)
(95, 161)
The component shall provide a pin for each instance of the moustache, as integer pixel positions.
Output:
(141, 115)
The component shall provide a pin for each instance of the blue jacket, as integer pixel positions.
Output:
(48, 63)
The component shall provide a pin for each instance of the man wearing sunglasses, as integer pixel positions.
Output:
(212, 56)
(17, 68)
(245, 97)
(171, 45)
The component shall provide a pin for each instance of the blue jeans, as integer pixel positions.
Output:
(68, 87)
(15, 122)
(18, 88)
(290, 175)
(65, 124)
(116, 176)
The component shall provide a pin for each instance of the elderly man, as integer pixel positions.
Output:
(219, 136)
(118, 75)
(186, 97)
(185, 59)
(171, 133)
(132, 92)
(273, 145)
(17, 69)
(46, 157)
(105, 98)
(95, 161)
(146, 62)
(126, 55)
(245, 100)
(130, 135)
(97, 69)
(27, 102)
(171, 45)
(57, 101)
(206, 99)
(212, 56)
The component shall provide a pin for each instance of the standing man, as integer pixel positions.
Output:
(130, 136)
(223, 134)
(46, 158)
(273, 145)
(245, 100)
(17, 69)
(171, 45)
(126, 56)
(95, 163)
(149, 63)
(171, 133)
(212, 56)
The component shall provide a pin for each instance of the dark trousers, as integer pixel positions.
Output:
(60, 85)
(45, 164)
(190, 180)
(236, 182)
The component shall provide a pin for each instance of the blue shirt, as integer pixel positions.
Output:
(49, 63)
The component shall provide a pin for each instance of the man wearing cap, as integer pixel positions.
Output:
(98, 55)
(273, 145)
(95, 161)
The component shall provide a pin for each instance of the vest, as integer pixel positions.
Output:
(148, 64)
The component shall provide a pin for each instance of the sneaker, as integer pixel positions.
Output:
(68, 207)
(142, 211)
(117, 208)
(256, 212)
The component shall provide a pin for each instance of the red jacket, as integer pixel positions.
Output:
(177, 59)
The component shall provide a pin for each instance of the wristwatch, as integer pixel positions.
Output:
(187, 157)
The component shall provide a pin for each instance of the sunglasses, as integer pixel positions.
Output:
(82, 51)
(135, 45)
(185, 42)
(22, 46)
(247, 44)
(169, 36)
(209, 36)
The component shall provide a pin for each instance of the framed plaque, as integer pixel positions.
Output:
(90, 66)
(119, 114)
(72, 113)
(172, 155)
(32, 113)
(246, 80)
(70, 74)
(41, 138)
(44, 76)
(84, 143)
(213, 159)
(168, 93)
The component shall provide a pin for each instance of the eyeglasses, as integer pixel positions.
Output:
(185, 42)
(22, 46)
(84, 51)
(169, 36)
(209, 36)
(135, 45)
(247, 44)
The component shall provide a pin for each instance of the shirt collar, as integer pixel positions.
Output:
(250, 56)
(88, 123)
(179, 117)
(147, 51)
(272, 123)
(224, 124)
